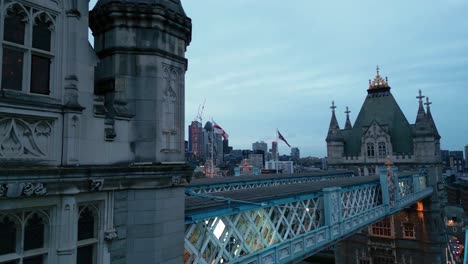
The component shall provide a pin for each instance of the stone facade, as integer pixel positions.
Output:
(381, 132)
(92, 139)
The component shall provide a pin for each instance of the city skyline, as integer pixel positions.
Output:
(258, 73)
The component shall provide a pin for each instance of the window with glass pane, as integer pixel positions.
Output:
(7, 235)
(370, 149)
(382, 149)
(41, 33)
(87, 236)
(12, 69)
(86, 224)
(15, 25)
(40, 74)
(382, 228)
(34, 260)
(408, 230)
(34, 233)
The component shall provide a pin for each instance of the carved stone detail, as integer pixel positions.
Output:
(13, 190)
(110, 235)
(25, 138)
(175, 180)
(173, 77)
(96, 184)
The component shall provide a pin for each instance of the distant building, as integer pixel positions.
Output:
(226, 148)
(295, 154)
(466, 156)
(283, 166)
(196, 140)
(256, 160)
(456, 161)
(274, 150)
(261, 146)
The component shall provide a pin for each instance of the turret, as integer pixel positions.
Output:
(335, 140)
(348, 122)
(426, 147)
(141, 73)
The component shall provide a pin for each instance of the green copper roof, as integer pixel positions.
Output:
(382, 108)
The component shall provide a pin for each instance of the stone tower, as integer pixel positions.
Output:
(381, 131)
(141, 45)
(335, 141)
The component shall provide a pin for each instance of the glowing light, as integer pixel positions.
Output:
(307, 209)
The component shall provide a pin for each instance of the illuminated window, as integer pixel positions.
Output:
(408, 230)
(27, 53)
(382, 228)
(370, 149)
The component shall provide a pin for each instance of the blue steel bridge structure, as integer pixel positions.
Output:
(287, 218)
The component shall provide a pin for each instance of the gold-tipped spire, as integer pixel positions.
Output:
(378, 81)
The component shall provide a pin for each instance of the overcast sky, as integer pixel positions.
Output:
(268, 64)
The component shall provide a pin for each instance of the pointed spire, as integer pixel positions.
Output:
(348, 122)
(431, 120)
(334, 132)
(421, 115)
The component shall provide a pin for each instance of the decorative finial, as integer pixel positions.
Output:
(347, 111)
(333, 106)
(420, 97)
(378, 81)
(389, 161)
(427, 103)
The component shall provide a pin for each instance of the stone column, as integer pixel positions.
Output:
(67, 230)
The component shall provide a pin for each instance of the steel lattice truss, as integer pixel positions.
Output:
(360, 200)
(405, 187)
(254, 185)
(228, 238)
(287, 229)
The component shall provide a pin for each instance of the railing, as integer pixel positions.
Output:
(285, 230)
(252, 182)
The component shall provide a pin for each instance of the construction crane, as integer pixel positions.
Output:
(199, 116)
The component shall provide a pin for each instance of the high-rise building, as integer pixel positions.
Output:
(196, 140)
(295, 154)
(381, 132)
(261, 146)
(466, 156)
(274, 150)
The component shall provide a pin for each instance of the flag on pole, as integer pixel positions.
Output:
(282, 138)
(219, 130)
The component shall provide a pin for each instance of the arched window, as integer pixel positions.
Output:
(382, 149)
(25, 234)
(28, 51)
(87, 235)
(370, 149)
(8, 231)
(14, 31)
(41, 57)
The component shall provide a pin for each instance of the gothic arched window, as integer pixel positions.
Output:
(27, 52)
(8, 231)
(87, 235)
(370, 150)
(25, 235)
(382, 149)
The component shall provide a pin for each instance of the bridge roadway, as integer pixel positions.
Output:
(196, 204)
(284, 219)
